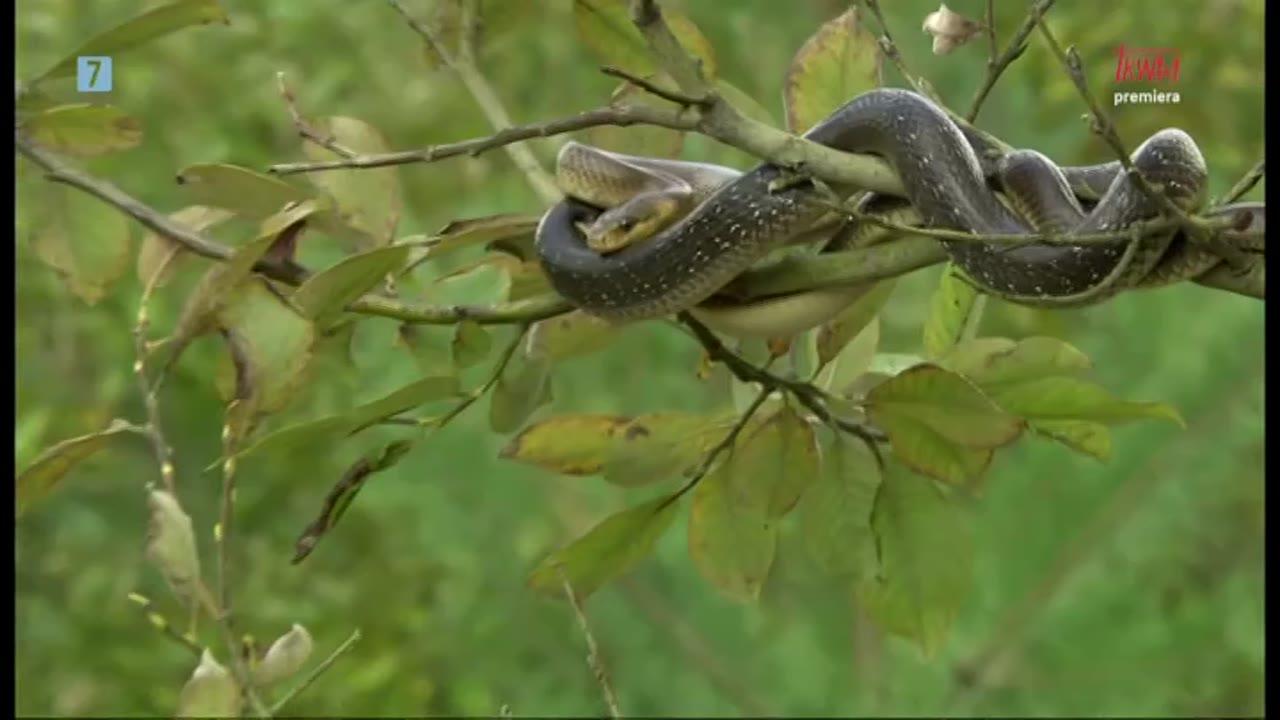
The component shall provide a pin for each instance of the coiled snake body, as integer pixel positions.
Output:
(942, 177)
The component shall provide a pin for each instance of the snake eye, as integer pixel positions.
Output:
(627, 225)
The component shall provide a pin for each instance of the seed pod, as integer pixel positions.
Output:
(949, 29)
(285, 656)
(209, 692)
(171, 543)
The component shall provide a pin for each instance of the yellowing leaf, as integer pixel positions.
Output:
(1089, 438)
(85, 240)
(149, 25)
(731, 543)
(998, 361)
(85, 130)
(368, 200)
(50, 466)
(568, 444)
(324, 295)
(926, 561)
(570, 334)
(838, 62)
(476, 231)
(835, 514)
(658, 446)
(939, 423)
(605, 27)
(953, 308)
(608, 550)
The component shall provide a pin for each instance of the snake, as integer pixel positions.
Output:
(727, 221)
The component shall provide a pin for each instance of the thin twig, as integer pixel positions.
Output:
(316, 672)
(329, 142)
(685, 69)
(1017, 45)
(149, 392)
(654, 89)
(593, 653)
(482, 92)
(889, 49)
(1244, 184)
(159, 622)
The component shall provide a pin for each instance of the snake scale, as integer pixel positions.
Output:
(745, 216)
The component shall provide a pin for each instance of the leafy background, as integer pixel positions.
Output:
(1133, 586)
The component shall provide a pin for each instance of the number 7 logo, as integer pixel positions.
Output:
(93, 74)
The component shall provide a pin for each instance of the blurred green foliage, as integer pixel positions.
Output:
(1133, 587)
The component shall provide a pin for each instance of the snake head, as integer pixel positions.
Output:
(640, 218)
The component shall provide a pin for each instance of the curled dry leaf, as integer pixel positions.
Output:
(171, 543)
(949, 29)
(285, 657)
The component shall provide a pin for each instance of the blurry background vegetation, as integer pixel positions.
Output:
(1142, 577)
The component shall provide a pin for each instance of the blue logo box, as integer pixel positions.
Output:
(93, 73)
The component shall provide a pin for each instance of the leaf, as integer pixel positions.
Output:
(145, 27)
(344, 492)
(569, 335)
(658, 446)
(86, 241)
(840, 61)
(155, 248)
(952, 309)
(775, 464)
(85, 130)
(324, 295)
(998, 361)
(209, 692)
(608, 550)
(171, 543)
(605, 27)
(853, 361)
(743, 102)
(567, 444)
(926, 561)
(50, 466)
(458, 234)
(936, 420)
(285, 657)
(525, 386)
(835, 514)
(471, 344)
(368, 199)
(732, 543)
(240, 190)
(845, 326)
(1067, 398)
(1080, 435)
(270, 343)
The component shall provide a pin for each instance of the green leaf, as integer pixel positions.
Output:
(732, 543)
(324, 295)
(605, 27)
(459, 234)
(47, 470)
(525, 386)
(835, 514)
(1067, 398)
(1080, 435)
(141, 29)
(85, 240)
(939, 423)
(418, 392)
(471, 344)
(240, 190)
(645, 140)
(954, 308)
(368, 199)
(840, 61)
(85, 130)
(569, 335)
(926, 561)
(845, 326)
(775, 464)
(996, 361)
(270, 345)
(608, 550)
(155, 248)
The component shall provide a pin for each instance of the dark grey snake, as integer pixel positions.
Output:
(744, 217)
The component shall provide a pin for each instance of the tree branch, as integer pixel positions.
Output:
(996, 65)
